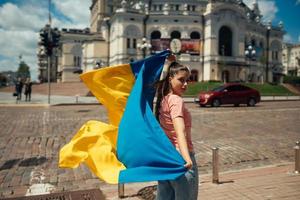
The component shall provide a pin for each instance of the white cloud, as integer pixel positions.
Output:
(76, 10)
(287, 38)
(21, 18)
(21, 22)
(268, 8)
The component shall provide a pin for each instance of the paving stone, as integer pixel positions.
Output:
(247, 138)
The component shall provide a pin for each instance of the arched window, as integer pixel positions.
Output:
(275, 49)
(175, 34)
(155, 35)
(225, 41)
(195, 35)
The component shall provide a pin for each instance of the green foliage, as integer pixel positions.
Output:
(264, 89)
(196, 87)
(23, 70)
(270, 90)
(291, 79)
(3, 80)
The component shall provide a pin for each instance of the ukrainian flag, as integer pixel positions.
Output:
(132, 147)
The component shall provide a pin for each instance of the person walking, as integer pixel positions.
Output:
(175, 120)
(27, 92)
(19, 88)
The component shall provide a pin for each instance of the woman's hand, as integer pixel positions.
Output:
(188, 165)
(171, 58)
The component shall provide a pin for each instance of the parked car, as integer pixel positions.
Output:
(230, 93)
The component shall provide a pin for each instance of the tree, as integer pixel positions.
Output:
(3, 80)
(23, 70)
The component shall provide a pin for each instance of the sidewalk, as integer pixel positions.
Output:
(271, 182)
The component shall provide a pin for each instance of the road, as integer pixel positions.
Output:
(31, 136)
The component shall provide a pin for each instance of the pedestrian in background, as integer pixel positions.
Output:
(175, 120)
(27, 92)
(19, 88)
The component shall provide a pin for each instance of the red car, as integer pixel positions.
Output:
(231, 93)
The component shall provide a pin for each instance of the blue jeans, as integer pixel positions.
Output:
(184, 187)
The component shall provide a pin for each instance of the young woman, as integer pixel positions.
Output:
(175, 120)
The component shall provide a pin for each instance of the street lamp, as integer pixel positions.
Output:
(250, 54)
(144, 46)
(268, 49)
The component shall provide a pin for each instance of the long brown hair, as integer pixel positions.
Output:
(163, 86)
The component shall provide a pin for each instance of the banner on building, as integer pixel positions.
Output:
(189, 46)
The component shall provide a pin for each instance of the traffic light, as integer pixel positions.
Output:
(55, 37)
(49, 39)
(46, 40)
(44, 37)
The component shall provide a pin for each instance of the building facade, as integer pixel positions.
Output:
(291, 59)
(222, 40)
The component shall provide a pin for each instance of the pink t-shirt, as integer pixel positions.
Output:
(172, 106)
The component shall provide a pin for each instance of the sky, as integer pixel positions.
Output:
(21, 21)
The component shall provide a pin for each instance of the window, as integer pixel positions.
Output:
(134, 43)
(160, 7)
(225, 41)
(195, 35)
(74, 61)
(128, 43)
(193, 8)
(111, 8)
(155, 35)
(79, 61)
(175, 34)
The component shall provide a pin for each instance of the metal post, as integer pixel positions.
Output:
(121, 190)
(267, 56)
(77, 98)
(49, 56)
(215, 162)
(297, 157)
(49, 66)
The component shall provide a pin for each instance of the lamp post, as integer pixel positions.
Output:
(144, 46)
(268, 49)
(250, 54)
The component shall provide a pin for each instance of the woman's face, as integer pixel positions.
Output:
(179, 82)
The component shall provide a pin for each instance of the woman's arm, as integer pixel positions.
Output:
(182, 143)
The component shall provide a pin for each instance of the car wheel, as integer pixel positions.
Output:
(251, 102)
(236, 105)
(216, 103)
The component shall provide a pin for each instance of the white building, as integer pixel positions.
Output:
(291, 59)
(210, 36)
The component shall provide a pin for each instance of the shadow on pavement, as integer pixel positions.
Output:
(33, 161)
(146, 193)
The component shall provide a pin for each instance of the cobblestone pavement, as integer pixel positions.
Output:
(31, 136)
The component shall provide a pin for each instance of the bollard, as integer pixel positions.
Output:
(77, 96)
(215, 162)
(297, 157)
(121, 190)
